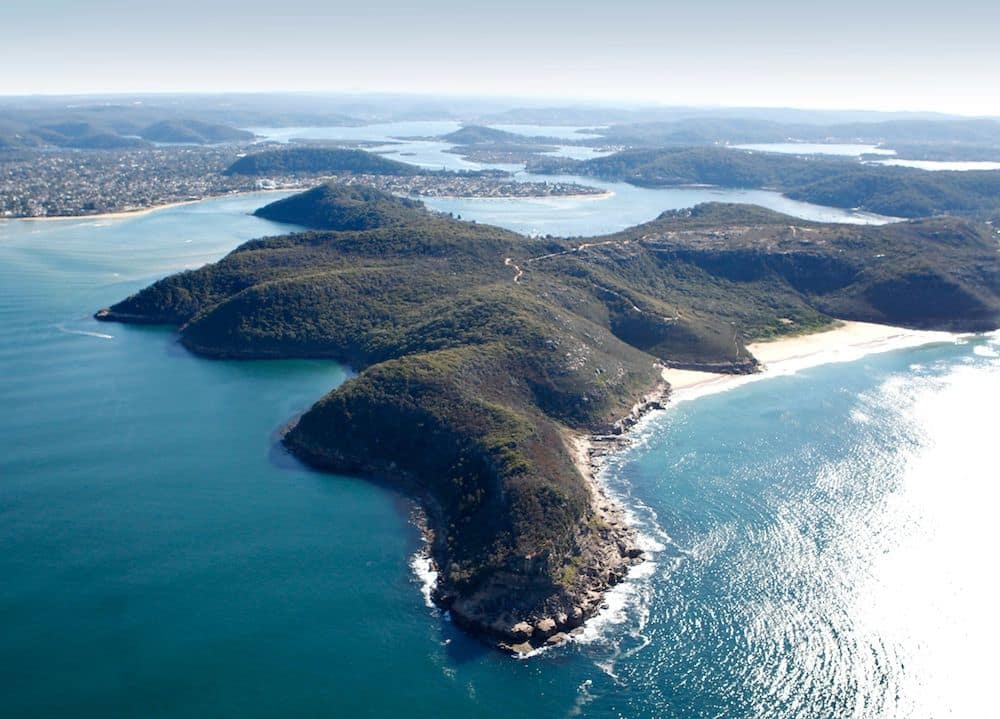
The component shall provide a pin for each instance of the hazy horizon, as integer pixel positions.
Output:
(897, 57)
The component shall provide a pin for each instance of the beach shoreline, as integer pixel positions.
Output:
(126, 214)
(845, 342)
(120, 215)
(139, 212)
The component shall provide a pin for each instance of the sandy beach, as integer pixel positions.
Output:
(787, 355)
(124, 214)
(845, 342)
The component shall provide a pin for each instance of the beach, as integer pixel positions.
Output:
(786, 355)
(139, 212)
(123, 214)
(781, 356)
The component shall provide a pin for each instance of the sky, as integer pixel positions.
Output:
(877, 55)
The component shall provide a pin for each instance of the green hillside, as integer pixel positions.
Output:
(478, 348)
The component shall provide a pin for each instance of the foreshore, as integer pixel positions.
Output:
(782, 356)
(786, 355)
(123, 214)
(139, 212)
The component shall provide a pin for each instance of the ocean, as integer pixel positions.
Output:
(820, 542)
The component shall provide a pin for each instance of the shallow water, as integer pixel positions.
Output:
(817, 148)
(820, 542)
(938, 165)
(578, 152)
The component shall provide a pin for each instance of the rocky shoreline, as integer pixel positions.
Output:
(620, 549)
(606, 542)
(608, 551)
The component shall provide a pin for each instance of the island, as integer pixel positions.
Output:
(485, 144)
(487, 359)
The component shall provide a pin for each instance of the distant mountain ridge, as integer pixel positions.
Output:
(824, 180)
(89, 135)
(319, 160)
(193, 132)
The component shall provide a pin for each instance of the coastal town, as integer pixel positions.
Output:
(69, 183)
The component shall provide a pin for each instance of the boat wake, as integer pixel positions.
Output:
(84, 333)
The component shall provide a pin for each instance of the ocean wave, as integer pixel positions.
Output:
(618, 630)
(426, 575)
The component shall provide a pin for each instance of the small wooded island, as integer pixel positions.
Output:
(482, 354)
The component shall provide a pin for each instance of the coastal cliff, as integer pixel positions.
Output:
(484, 355)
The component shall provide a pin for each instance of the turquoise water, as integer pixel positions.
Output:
(821, 542)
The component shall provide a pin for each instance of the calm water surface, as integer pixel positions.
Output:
(820, 543)
(566, 132)
(625, 205)
(817, 148)
(955, 165)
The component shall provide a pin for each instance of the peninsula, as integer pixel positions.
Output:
(484, 357)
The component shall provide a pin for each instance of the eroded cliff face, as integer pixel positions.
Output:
(478, 349)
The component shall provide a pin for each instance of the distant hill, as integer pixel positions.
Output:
(329, 207)
(480, 350)
(479, 135)
(90, 135)
(698, 131)
(11, 137)
(130, 115)
(193, 132)
(584, 116)
(710, 129)
(836, 182)
(319, 160)
(83, 136)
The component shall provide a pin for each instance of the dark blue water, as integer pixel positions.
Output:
(822, 541)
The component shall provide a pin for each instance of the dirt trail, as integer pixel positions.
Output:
(518, 272)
